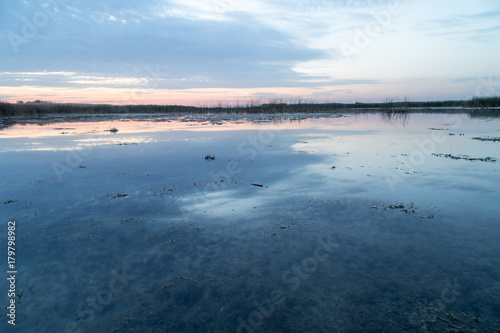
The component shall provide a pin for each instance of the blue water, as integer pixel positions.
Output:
(331, 223)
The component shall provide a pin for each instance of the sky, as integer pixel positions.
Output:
(195, 52)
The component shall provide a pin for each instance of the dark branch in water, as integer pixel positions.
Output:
(467, 158)
(487, 139)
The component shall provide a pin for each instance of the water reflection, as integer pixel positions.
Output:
(393, 117)
(357, 227)
(485, 113)
(401, 118)
(207, 119)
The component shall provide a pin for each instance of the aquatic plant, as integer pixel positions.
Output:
(467, 158)
(487, 139)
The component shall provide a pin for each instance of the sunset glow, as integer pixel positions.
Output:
(198, 53)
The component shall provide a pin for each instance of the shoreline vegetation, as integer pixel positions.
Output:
(390, 106)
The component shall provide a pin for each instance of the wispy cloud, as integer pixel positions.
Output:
(481, 27)
(195, 45)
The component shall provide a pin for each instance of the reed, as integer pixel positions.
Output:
(277, 105)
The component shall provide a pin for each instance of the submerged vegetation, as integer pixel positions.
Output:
(467, 158)
(390, 107)
(112, 130)
(487, 139)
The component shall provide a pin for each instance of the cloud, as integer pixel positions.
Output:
(121, 39)
(252, 45)
(481, 27)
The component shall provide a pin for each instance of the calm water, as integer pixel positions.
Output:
(339, 223)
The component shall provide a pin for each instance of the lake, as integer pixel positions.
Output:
(253, 223)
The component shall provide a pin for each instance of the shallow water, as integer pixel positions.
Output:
(331, 223)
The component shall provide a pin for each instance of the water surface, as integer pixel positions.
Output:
(331, 223)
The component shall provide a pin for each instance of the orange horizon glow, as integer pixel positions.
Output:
(143, 96)
(225, 96)
(194, 96)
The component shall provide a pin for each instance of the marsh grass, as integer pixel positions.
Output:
(278, 105)
(393, 111)
(393, 106)
(209, 157)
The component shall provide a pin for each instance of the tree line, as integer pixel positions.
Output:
(272, 106)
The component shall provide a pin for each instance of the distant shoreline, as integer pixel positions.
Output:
(277, 106)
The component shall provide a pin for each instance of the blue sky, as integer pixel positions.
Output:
(200, 52)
